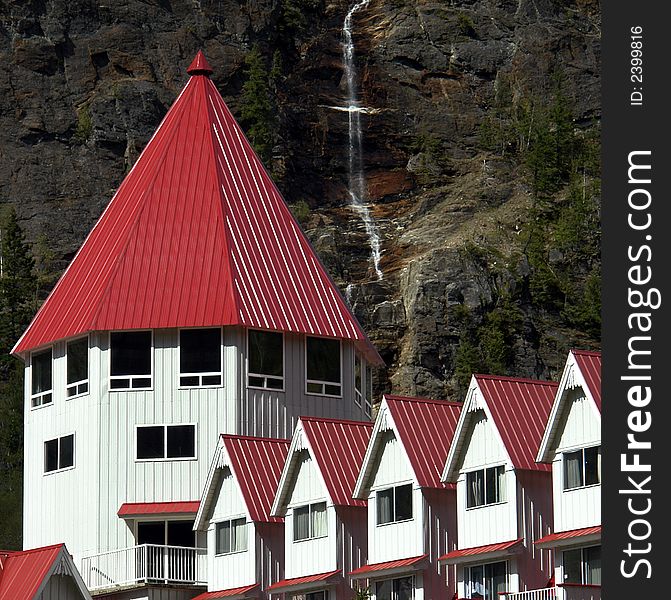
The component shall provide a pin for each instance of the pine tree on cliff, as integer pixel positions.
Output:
(258, 110)
(17, 304)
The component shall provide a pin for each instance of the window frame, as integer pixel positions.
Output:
(583, 565)
(483, 566)
(503, 496)
(230, 520)
(165, 442)
(77, 384)
(38, 400)
(261, 375)
(59, 469)
(358, 391)
(394, 488)
(583, 485)
(309, 505)
(111, 377)
(202, 374)
(394, 593)
(318, 381)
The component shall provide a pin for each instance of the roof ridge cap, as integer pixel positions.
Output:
(330, 420)
(516, 379)
(421, 400)
(233, 436)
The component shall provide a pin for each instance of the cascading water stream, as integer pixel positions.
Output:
(357, 182)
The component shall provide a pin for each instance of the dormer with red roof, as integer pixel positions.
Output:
(325, 527)
(196, 305)
(411, 512)
(245, 543)
(504, 497)
(572, 444)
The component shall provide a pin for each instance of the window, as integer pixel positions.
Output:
(485, 486)
(311, 596)
(231, 536)
(358, 383)
(486, 581)
(265, 362)
(166, 442)
(402, 588)
(323, 366)
(583, 566)
(200, 357)
(130, 366)
(394, 504)
(310, 521)
(582, 467)
(59, 453)
(369, 391)
(40, 366)
(77, 358)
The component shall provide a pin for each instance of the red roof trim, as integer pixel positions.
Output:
(515, 379)
(297, 581)
(199, 65)
(573, 534)
(239, 591)
(390, 564)
(423, 400)
(477, 551)
(22, 572)
(130, 509)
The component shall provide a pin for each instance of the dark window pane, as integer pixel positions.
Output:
(573, 470)
(495, 579)
(475, 488)
(572, 572)
(323, 359)
(120, 384)
(151, 532)
(150, 442)
(314, 388)
(181, 441)
(357, 374)
(266, 353)
(223, 535)
(383, 590)
(189, 381)
(67, 452)
(403, 588)
(301, 523)
(385, 506)
(274, 384)
(475, 584)
(41, 371)
(144, 382)
(78, 360)
(200, 350)
(50, 455)
(131, 353)
(592, 465)
(315, 596)
(181, 533)
(403, 502)
(332, 390)
(592, 558)
(211, 379)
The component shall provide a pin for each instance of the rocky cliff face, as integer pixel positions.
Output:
(84, 84)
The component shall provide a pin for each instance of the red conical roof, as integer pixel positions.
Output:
(196, 235)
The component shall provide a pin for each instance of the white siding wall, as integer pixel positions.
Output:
(275, 414)
(394, 540)
(581, 427)
(79, 507)
(492, 523)
(239, 568)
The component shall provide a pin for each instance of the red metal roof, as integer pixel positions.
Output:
(426, 428)
(298, 581)
(389, 565)
(199, 65)
(257, 465)
(480, 550)
(338, 447)
(589, 364)
(130, 509)
(22, 572)
(230, 593)
(569, 535)
(520, 409)
(196, 235)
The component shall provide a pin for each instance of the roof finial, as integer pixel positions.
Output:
(199, 65)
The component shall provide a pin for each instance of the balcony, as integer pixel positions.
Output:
(567, 591)
(145, 564)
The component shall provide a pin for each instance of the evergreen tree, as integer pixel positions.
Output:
(17, 304)
(258, 106)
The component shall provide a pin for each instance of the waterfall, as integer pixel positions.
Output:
(357, 182)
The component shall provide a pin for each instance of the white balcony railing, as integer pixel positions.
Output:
(146, 563)
(562, 592)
